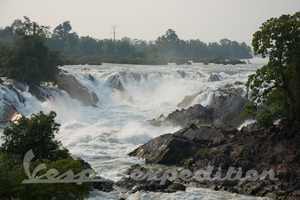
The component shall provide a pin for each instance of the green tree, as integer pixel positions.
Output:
(30, 60)
(168, 44)
(3, 53)
(108, 47)
(12, 174)
(124, 47)
(37, 134)
(274, 88)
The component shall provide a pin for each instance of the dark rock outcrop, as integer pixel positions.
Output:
(183, 144)
(213, 77)
(116, 83)
(196, 114)
(76, 91)
(10, 113)
(105, 185)
(225, 109)
(149, 182)
(117, 86)
(252, 148)
(12, 98)
(224, 90)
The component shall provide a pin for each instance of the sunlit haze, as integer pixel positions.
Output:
(207, 20)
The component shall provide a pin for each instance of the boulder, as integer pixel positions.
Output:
(224, 110)
(40, 92)
(223, 90)
(188, 100)
(165, 149)
(183, 144)
(10, 113)
(117, 86)
(213, 78)
(105, 185)
(196, 114)
(227, 109)
(76, 91)
(116, 83)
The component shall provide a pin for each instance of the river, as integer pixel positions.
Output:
(104, 135)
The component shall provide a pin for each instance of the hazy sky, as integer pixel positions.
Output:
(207, 20)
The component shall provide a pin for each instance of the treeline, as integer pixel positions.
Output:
(166, 48)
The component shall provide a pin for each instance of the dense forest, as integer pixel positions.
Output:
(166, 48)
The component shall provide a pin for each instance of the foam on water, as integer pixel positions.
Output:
(104, 135)
(193, 194)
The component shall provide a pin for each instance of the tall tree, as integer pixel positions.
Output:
(30, 60)
(63, 39)
(274, 88)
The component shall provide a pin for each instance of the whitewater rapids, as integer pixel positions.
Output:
(104, 135)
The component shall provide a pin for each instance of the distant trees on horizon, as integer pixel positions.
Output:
(169, 45)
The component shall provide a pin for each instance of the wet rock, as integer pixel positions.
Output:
(224, 110)
(229, 89)
(10, 113)
(38, 92)
(182, 73)
(95, 98)
(157, 121)
(176, 187)
(183, 144)
(166, 149)
(224, 90)
(76, 91)
(116, 83)
(105, 185)
(194, 114)
(188, 100)
(213, 78)
(228, 109)
(238, 83)
(91, 78)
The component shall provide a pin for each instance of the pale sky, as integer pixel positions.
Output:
(207, 20)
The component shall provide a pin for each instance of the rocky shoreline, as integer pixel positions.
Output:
(251, 161)
(224, 148)
(210, 152)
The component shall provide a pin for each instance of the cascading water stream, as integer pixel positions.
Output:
(129, 96)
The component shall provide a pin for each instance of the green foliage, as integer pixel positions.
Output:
(36, 133)
(30, 60)
(247, 155)
(82, 60)
(169, 45)
(4, 50)
(12, 174)
(274, 88)
(9, 175)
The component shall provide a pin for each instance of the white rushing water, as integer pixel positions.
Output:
(104, 135)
